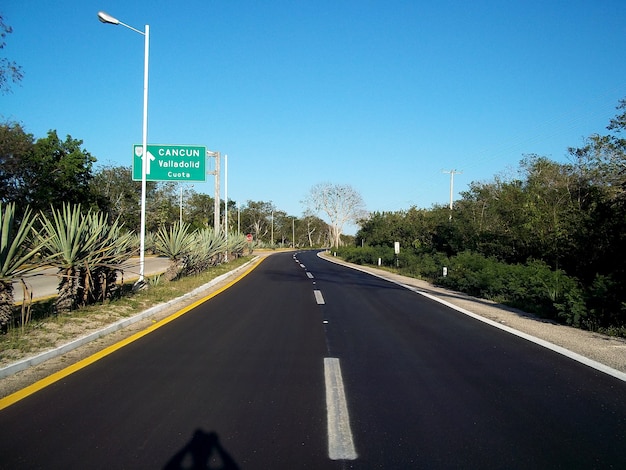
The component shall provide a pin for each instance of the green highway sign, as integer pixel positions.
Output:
(170, 162)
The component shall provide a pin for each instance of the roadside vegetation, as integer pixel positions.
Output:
(58, 210)
(550, 240)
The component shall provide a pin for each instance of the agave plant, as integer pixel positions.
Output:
(237, 244)
(111, 249)
(87, 252)
(68, 242)
(148, 242)
(16, 256)
(174, 243)
(204, 251)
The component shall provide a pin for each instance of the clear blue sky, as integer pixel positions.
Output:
(381, 95)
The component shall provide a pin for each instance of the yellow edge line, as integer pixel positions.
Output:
(27, 391)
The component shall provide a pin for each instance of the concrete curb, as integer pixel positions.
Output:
(113, 327)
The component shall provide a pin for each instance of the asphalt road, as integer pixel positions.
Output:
(308, 364)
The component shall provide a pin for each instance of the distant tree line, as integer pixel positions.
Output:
(549, 240)
(58, 209)
(46, 172)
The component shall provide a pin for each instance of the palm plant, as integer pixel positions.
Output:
(174, 243)
(16, 256)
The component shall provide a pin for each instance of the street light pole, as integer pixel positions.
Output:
(105, 18)
(226, 203)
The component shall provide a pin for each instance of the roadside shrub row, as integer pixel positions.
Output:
(532, 287)
(88, 251)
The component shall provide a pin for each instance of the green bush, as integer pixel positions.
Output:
(532, 287)
(367, 255)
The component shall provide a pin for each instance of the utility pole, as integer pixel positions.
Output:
(181, 204)
(226, 204)
(452, 173)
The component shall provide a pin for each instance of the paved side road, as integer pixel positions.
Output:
(607, 350)
(44, 282)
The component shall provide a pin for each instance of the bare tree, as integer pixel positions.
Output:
(341, 203)
(9, 70)
(256, 217)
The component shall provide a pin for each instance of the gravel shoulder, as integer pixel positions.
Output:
(605, 350)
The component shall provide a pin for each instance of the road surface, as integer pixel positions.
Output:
(308, 364)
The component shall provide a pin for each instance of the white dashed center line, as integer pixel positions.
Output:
(340, 442)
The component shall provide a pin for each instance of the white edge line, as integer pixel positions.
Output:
(533, 339)
(546, 344)
(340, 441)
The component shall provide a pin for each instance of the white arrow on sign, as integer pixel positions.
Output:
(150, 159)
(139, 153)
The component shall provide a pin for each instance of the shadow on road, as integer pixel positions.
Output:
(203, 451)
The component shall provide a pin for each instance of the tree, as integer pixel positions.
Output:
(199, 209)
(492, 220)
(256, 218)
(16, 146)
(118, 195)
(162, 203)
(315, 230)
(59, 171)
(341, 204)
(9, 70)
(282, 227)
(45, 172)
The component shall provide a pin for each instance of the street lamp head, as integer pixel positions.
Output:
(106, 18)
